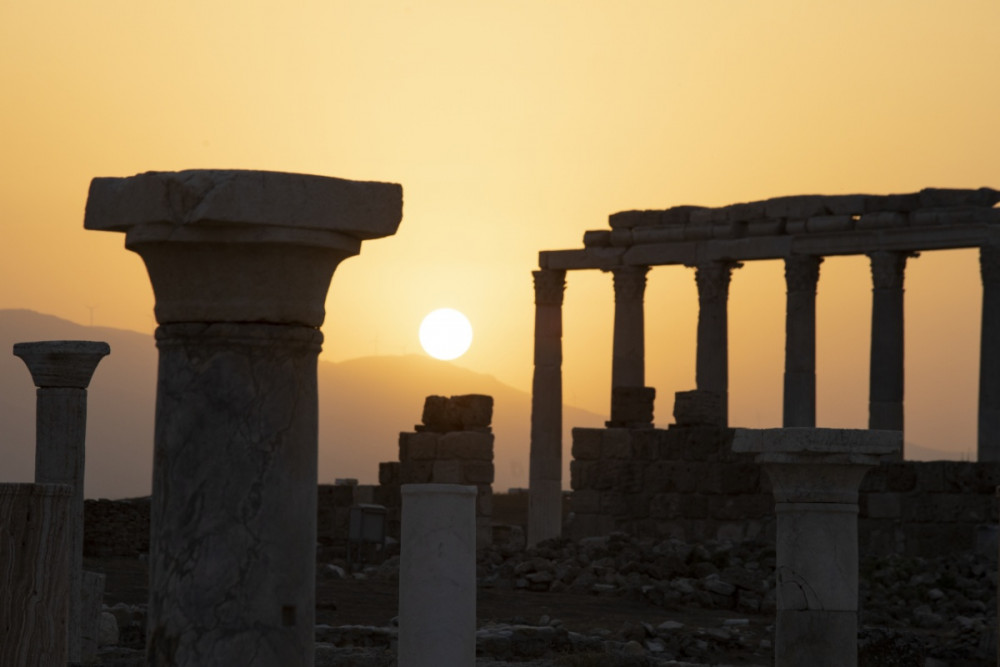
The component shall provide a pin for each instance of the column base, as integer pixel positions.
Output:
(816, 638)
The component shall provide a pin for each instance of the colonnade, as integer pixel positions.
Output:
(712, 374)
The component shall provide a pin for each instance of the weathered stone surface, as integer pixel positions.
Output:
(698, 408)
(457, 413)
(62, 363)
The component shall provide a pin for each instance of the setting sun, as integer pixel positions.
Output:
(445, 334)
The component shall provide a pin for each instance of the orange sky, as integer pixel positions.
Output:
(515, 126)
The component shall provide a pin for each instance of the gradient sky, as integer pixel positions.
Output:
(514, 127)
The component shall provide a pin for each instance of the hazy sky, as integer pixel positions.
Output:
(514, 126)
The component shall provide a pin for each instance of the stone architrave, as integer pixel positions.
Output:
(628, 364)
(437, 576)
(815, 475)
(34, 573)
(988, 446)
(240, 263)
(712, 359)
(61, 371)
(801, 277)
(885, 402)
(545, 471)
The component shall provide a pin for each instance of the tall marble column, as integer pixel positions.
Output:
(988, 448)
(61, 371)
(628, 364)
(545, 475)
(712, 360)
(885, 402)
(240, 263)
(801, 276)
(815, 475)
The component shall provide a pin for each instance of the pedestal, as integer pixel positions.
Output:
(437, 576)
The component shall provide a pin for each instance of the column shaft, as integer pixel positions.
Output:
(885, 403)
(628, 359)
(233, 517)
(712, 360)
(545, 491)
(988, 446)
(801, 276)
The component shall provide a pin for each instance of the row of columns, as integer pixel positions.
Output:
(886, 377)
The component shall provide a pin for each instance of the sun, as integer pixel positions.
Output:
(445, 334)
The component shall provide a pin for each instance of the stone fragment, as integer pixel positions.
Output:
(698, 408)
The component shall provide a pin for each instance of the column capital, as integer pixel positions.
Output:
(242, 246)
(62, 363)
(549, 287)
(713, 280)
(630, 282)
(802, 272)
(888, 268)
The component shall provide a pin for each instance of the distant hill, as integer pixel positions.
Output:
(364, 404)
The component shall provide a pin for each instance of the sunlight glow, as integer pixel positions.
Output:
(445, 334)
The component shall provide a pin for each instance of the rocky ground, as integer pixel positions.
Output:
(621, 602)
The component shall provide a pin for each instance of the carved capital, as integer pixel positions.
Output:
(549, 287)
(989, 263)
(630, 283)
(802, 273)
(888, 268)
(713, 280)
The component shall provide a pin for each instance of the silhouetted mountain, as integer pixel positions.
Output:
(364, 404)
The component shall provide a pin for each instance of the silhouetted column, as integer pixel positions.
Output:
(34, 573)
(885, 403)
(815, 475)
(240, 264)
(61, 370)
(545, 491)
(801, 276)
(988, 448)
(628, 361)
(712, 362)
(437, 576)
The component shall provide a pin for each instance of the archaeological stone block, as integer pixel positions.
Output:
(587, 443)
(418, 446)
(698, 408)
(466, 445)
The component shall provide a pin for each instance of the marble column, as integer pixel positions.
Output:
(34, 573)
(628, 364)
(437, 576)
(712, 360)
(988, 448)
(801, 276)
(61, 371)
(240, 264)
(815, 475)
(885, 402)
(545, 475)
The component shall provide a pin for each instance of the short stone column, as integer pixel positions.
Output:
(815, 475)
(885, 402)
(545, 470)
(61, 370)
(34, 573)
(801, 277)
(712, 360)
(628, 362)
(240, 263)
(437, 576)
(988, 447)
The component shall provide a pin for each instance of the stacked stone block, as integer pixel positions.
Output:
(453, 445)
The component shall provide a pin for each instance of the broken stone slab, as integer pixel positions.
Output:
(456, 413)
(698, 407)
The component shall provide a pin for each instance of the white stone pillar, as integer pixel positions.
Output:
(545, 472)
(61, 370)
(34, 573)
(801, 276)
(885, 402)
(628, 363)
(712, 360)
(815, 475)
(240, 264)
(437, 576)
(988, 448)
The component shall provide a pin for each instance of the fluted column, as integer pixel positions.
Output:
(801, 276)
(545, 491)
(240, 264)
(628, 360)
(61, 371)
(885, 403)
(712, 361)
(988, 448)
